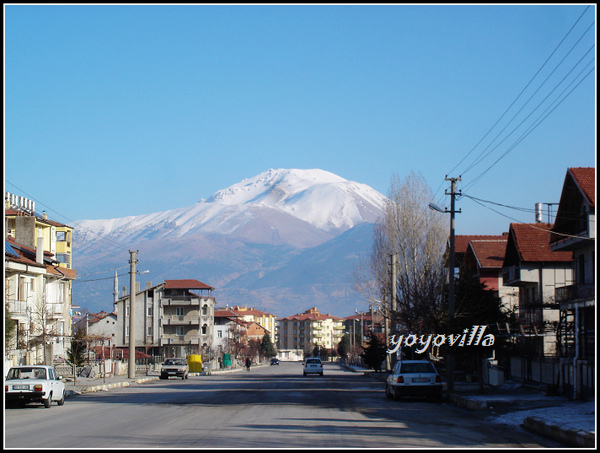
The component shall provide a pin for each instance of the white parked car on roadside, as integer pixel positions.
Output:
(413, 378)
(34, 383)
(175, 367)
(313, 365)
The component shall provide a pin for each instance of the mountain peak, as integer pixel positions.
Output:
(280, 183)
(319, 197)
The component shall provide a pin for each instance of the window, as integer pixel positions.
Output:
(150, 310)
(179, 311)
(22, 288)
(204, 329)
(179, 331)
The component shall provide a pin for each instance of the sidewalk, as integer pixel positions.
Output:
(555, 417)
(96, 384)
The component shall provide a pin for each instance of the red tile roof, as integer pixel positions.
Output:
(585, 178)
(310, 315)
(224, 314)
(532, 243)
(242, 311)
(27, 255)
(461, 241)
(490, 252)
(186, 284)
(357, 317)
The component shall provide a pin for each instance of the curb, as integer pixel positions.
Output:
(571, 437)
(467, 402)
(100, 387)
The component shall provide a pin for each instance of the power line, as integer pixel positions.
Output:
(483, 154)
(479, 159)
(483, 203)
(540, 119)
(521, 93)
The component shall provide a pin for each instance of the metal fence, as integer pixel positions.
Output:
(560, 374)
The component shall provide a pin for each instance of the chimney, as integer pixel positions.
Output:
(39, 250)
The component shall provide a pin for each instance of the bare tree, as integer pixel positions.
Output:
(43, 328)
(417, 236)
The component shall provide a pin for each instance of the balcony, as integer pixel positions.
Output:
(17, 307)
(178, 340)
(575, 293)
(176, 320)
(180, 301)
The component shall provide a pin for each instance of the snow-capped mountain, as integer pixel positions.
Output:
(278, 199)
(257, 242)
(323, 199)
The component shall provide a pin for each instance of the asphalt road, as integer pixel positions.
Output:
(268, 407)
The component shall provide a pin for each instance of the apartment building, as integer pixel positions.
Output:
(38, 276)
(306, 330)
(172, 319)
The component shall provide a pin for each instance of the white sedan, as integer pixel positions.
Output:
(413, 378)
(34, 383)
(313, 365)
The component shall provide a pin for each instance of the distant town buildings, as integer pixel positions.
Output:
(305, 330)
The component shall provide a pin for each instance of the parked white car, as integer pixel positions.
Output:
(34, 383)
(175, 367)
(313, 365)
(413, 378)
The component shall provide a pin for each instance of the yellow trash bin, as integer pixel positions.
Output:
(195, 363)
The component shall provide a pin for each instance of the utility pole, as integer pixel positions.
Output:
(453, 211)
(393, 258)
(132, 284)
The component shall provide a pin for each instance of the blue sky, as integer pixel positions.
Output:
(122, 110)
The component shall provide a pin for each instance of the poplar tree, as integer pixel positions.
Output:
(417, 235)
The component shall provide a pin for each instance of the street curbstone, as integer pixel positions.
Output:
(571, 437)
